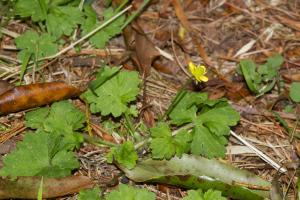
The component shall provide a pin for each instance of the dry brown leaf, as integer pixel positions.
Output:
(165, 67)
(143, 50)
(181, 15)
(27, 187)
(289, 22)
(148, 117)
(34, 95)
(292, 76)
(5, 86)
(185, 23)
(103, 133)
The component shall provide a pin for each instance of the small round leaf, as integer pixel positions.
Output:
(295, 92)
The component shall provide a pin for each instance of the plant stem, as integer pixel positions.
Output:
(182, 92)
(129, 124)
(185, 127)
(98, 141)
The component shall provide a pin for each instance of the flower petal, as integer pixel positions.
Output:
(204, 78)
(203, 69)
(192, 67)
(198, 72)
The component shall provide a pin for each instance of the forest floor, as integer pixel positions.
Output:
(159, 44)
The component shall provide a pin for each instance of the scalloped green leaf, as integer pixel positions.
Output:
(39, 154)
(113, 96)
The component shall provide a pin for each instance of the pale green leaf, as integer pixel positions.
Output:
(295, 92)
(89, 194)
(104, 74)
(209, 195)
(113, 96)
(91, 22)
(126, 192)
(210, 121)
(36, 118)
(185, 110)
(124, 154)
(30, 8)
(194, 194)
(63, 20)
(164, 146)
(207, 144)
(38, 45)
(61, 119)
(39, 154)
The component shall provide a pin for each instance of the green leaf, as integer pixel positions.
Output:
(60, 20)
(196, 172)
(36, 118)
(63, 20)
(164, 145)
(124, 154)
(64, 118)
(132, 111)
(126, 192)
(194, 194)
(113, 96)
(89, 194)
(270, 69)
(210, 122)
(61, 119)
(39, 154)
(283, 123)
(209, 195)
(220, 111)
(213, 195)
(104, 74)
(210, 130)
(91, 22)
(248, 68)
(25, 61)
(263, 79)
(289, 109)
(185, 110)
(207, 144)
(31, 8)
(295, 92)
(275, 61)
(37, 45)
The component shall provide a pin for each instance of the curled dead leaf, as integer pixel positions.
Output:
(27, 187)
(5, 86)
(34, 95)
(291, 76)
(148, 117)
(143, 50)
(290, 22)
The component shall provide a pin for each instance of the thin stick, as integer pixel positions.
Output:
(260, 154)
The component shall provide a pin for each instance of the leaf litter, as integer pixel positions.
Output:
(214, 34)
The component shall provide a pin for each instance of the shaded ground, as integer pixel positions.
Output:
(218, 34)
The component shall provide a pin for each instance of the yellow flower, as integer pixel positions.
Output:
(181, 32)
(198, 72)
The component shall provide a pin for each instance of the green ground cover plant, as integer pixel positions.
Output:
(192, 126)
